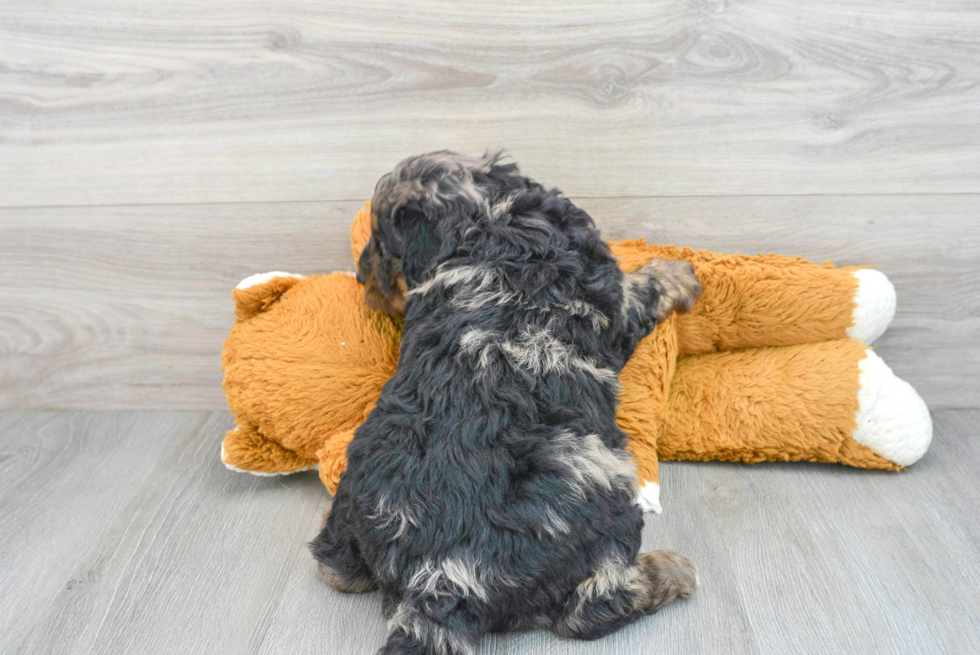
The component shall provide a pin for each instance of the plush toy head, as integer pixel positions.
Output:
(300, 371)
(769, 366)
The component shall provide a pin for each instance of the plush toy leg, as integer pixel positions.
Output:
(643, 411)
(892, 419)
(770, 300)
(246, 450)
(827, 402)
(332, 458)
(874, 305)
(777, 301)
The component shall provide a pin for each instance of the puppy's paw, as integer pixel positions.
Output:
(676, 284)
(667, 575)
(345, 583)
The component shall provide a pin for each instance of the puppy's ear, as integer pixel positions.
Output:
(420, 242)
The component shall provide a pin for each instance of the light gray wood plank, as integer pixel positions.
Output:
(65, 479)
(843, 560)
(313, 617)
(127, 307)
(107, 102)
(193, 562)
(121, 307)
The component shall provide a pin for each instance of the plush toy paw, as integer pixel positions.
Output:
(648, 497)
(245, 450)
(874, 305)
(892, 418)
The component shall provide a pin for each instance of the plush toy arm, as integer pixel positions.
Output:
(835, 401)
(246, 450)
(770, 300)
(360, 231)
(332, 459)
(300, 366)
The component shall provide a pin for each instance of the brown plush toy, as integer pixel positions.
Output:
(771, 365)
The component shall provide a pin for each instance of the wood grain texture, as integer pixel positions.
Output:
(189, 559)
(849, 561)
(108, 102)
(64, 481)
(122, 532)
(128, 307)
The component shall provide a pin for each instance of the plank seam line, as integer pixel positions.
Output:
(572, 196)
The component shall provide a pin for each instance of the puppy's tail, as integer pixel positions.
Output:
(413, 631)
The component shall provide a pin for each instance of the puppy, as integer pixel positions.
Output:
(489, 489)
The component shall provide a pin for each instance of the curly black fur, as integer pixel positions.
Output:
(489, 489)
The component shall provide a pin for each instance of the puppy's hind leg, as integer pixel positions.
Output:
(430, 626)
(617, 593)
(338, 559)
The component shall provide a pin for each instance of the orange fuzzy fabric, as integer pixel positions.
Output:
(760, 370)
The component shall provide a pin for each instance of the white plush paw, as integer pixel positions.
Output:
(648, 497)
(232, 467)
(874, 306)
(262, 278)
(892, 418)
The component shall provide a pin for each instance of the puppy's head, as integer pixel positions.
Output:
(418, 212)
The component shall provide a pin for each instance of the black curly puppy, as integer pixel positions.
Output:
(489, 489)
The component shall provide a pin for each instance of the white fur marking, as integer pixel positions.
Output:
(443, 640)
(584, 309)
(588, 461)
(482, 299)
(874, 306)
(500, 209)
(262, 278)
(478, 342)
(534, 350)
(892, 418)
(232, 467)
(539, 352)
(451, 577)
(402, 513)
(456, 577)
(449, 277)
(554, 525)
(610, 577)
(501, 297)
(648, 497)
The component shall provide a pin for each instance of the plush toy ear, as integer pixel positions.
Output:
(360, 231)
(255, 294)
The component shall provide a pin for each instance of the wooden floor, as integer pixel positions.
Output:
(120, 532)
(153, 154)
